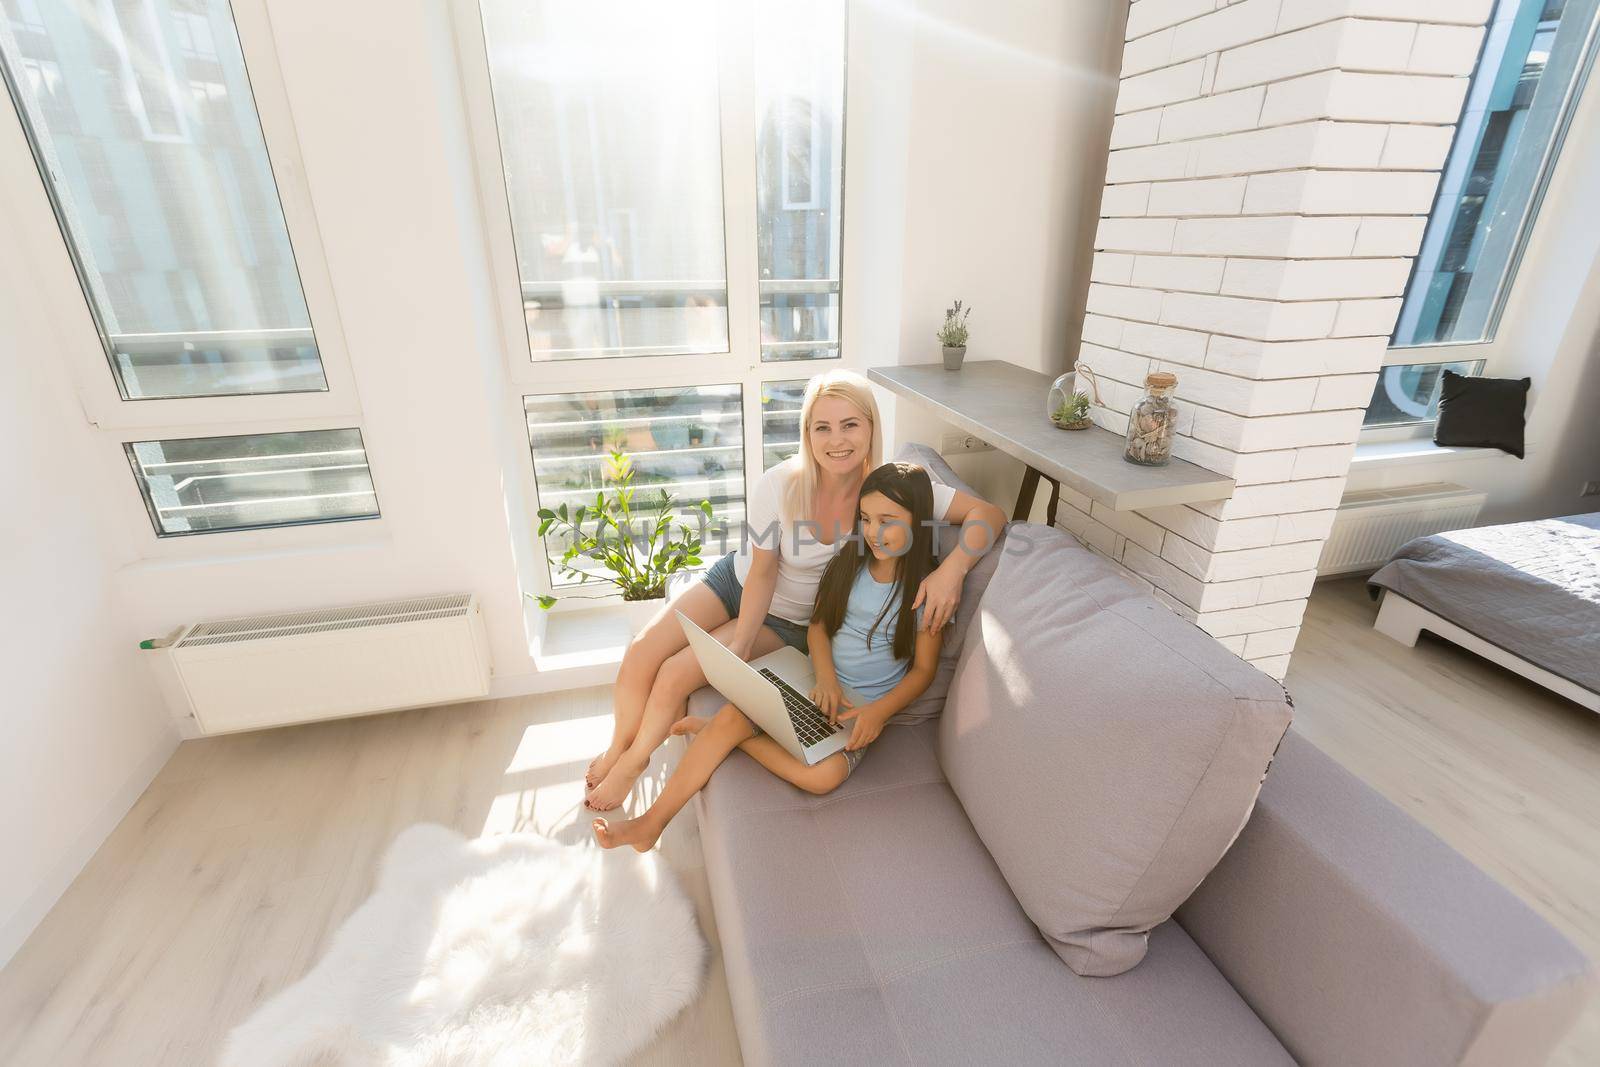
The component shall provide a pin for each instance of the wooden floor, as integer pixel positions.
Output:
(226, 880)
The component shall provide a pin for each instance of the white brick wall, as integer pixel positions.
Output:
(1272, 164)
(1362, 97)
(1340, 192)
(1203, 196)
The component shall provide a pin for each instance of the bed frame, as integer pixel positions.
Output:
(1403, 620)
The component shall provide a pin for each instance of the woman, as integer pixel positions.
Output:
(759, 598)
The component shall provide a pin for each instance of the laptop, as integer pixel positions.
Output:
(772, 691)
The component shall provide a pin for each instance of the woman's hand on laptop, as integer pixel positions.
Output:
(828, 696)
(869, 718)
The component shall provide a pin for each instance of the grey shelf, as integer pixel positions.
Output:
(1004, 404)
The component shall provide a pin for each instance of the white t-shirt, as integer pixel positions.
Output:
(802, 558)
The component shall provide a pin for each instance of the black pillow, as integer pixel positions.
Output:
(1482, 412)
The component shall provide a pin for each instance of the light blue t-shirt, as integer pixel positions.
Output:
(873, 671)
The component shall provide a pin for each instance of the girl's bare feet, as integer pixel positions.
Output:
(689, 724)
(635, 832)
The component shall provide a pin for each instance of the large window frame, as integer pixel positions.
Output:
(43, 238)
(741, 364)
(43, 243)
(1512, 299)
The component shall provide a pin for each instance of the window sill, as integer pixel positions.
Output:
(1377, 455)
(588, 637)
(225, 548)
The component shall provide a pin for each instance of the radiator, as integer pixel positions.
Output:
(272, 670)
(1372, 523)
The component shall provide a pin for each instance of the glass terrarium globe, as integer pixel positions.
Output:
(1066, 405)
(1060, 391)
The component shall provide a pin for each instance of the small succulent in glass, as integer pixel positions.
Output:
(1073, 414)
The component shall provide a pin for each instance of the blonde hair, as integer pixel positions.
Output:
(851, 387)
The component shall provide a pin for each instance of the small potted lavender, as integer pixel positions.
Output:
(953, 336)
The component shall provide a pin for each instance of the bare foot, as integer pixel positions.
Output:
(633, 832)
(599, 767)
(690, 724)
(613, 788)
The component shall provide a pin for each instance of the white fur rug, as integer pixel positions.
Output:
(505, 951)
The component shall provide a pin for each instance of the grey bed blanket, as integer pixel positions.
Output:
(1533, 588)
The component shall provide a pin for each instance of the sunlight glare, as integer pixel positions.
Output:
(967, 41)
(549, 744)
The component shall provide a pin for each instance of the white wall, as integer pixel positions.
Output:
(982, 129)
(1551, 333)
(84, 728)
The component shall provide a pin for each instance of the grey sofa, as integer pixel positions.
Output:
(1335, 930)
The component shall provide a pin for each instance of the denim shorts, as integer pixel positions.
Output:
(723, 580)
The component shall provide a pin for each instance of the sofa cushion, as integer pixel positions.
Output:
(931, 702)
(872, 926)
(1107, 751)
(1360, 937)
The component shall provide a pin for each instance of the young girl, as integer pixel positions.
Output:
(863, 637)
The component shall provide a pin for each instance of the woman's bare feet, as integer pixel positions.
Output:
(613, 788)
(635, 832)
(601, 766)
(689, 724)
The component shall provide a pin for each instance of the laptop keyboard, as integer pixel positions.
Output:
(809, 721)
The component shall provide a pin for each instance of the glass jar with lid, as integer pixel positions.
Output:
(1152, 422)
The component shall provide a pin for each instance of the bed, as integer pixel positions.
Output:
(1525, 595)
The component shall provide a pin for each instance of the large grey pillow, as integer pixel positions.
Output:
(931, 702)
(1107, 751)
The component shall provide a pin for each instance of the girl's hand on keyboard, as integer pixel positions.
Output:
(828, 696)
(869, 719)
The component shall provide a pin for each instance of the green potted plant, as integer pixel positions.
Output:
(953, 336)
(638, 544)
(1073, 413)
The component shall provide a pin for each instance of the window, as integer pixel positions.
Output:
(780, 421)
(1536, 54)
(799, 177)
(672, 182)
(214, 484)
(1408, 394)
(142, 123)
(609, 134)
(689, 442)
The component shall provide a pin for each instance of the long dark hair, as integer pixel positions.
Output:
(909, 486)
